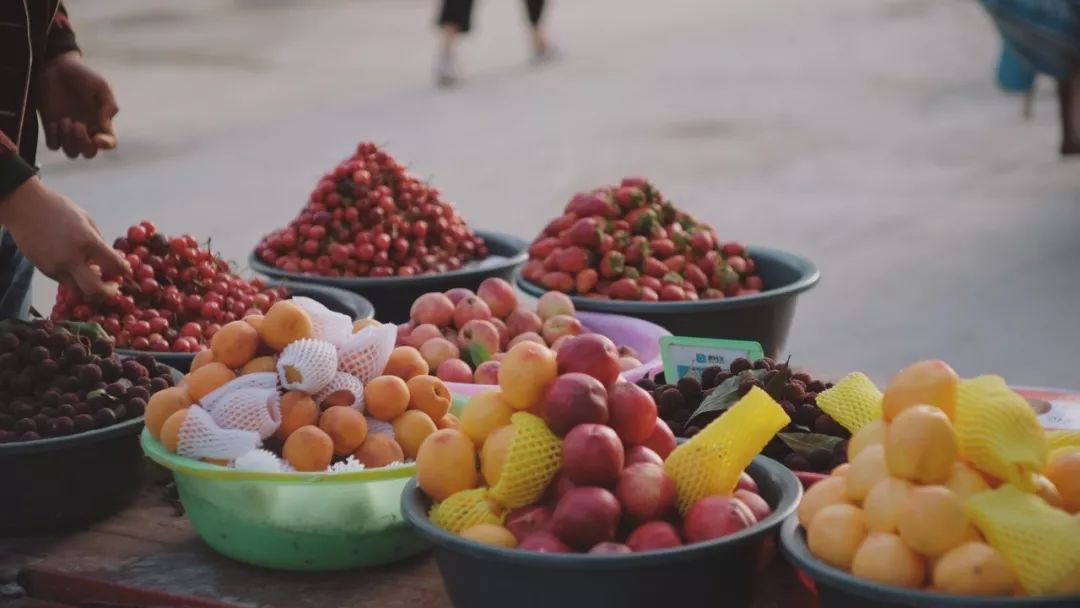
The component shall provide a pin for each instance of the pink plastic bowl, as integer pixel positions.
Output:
(642, 336)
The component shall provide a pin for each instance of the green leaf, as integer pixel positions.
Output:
(478, 354)
(725, 394)
(775, 387)
(804, 443)
(91, 331)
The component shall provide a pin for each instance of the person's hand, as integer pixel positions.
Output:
(77, 107)
(61, 240)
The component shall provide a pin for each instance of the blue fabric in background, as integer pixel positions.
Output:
(1045, 34)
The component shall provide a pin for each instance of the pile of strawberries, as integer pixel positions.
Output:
(178, 296)
(370, 218)
(627, 242)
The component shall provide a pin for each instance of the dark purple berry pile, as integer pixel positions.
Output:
(812, 442)
(60, 379)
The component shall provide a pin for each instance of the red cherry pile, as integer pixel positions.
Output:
(178, 296)
(370, 218)
(627, 242)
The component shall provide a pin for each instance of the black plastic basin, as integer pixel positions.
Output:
(723, 572)
(838, 589)
(337, 300)
(764, 317)
(393, 296)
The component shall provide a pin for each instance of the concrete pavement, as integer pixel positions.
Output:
(867, 136)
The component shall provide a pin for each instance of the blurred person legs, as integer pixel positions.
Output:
(455, 19)
(1069, 99)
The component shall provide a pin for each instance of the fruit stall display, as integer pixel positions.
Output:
(813, 441)
(628, 242)
(953, 488)
(61, 379)
(369, 217)
(627, 250)
(566, 457)
(70, 410)
(462, 336)
(372, 228)
(178, 296)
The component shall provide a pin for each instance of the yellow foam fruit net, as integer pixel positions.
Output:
(1062, 440)
(531, 463)
(710, 463)
(465, 509)
(1041, 543)
(998, 432)
(853, 402)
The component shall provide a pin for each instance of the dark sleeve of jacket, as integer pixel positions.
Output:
(61, 36)
(13, 169)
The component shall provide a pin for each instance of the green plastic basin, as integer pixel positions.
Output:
(295, 521)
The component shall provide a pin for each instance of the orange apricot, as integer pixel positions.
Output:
(284, 324)
(411, 429)
(379, 450)
(259, 364)
(449, 421)
(386, 397)
(254, 321)
(446, 464)
(429, 395)
(201, 358)
(308, 448)
(346, 427)
(235, 344)
(163, 404)
(297, 410)
(204, 380)
(170, 430)
(406, 362)
(362, 323)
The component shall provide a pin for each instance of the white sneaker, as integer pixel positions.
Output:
(446, 73)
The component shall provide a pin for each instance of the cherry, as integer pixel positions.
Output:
(136, 234)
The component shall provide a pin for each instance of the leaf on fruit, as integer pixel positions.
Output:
(100, 391)
(775, 387)
(804, 443)
(478, 354)
(725, 394)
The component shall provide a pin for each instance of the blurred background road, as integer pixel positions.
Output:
(868, 136)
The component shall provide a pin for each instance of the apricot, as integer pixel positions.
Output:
(297, 410)
(259, 364)
(255, 321)
(163, 404)
(525, 374)
(483, 414)
(308, 448)
(202, 358)
(207, 378)
(386, 397)
(490, 534)
(448, 421)
(429, 395)
(284, 324)
(362, 323)
(411, 429)
(379, 450)
(346, 427)
(405, 362)
(446, 464)
(170, 430)
(234, 343)
(494, 453)
(930, 382)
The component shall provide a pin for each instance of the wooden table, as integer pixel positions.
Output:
(150, 546)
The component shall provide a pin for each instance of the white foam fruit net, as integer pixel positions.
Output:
(349, 465)
(328, 325)
(379, 427)
(307, 365)
(259, 461)
(365, 354)
(263, 380)
(346, 386)
(200, 437)
(249, 409)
